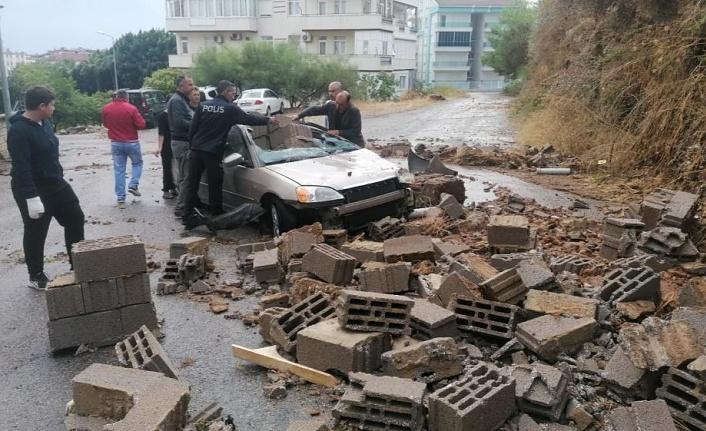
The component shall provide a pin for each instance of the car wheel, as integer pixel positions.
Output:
(269, 112)
(283, 217)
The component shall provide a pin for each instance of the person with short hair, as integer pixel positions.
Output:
(207, 142)
(123, 120)
(343, 118)
(180, 116)
(333, 89)
(38, 185)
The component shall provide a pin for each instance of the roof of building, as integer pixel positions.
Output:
(471, 3)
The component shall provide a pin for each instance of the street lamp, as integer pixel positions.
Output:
(5, 86)
(115, 64)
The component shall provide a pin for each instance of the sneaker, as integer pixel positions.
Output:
(193, 220)
(167, 195)
(38, 281)
(133, 191)
(178, 214)
(122, 205)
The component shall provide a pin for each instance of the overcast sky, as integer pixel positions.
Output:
(37, 26)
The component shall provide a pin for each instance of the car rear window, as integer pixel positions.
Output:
(250, 94)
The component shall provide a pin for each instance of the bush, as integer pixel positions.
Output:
(163, 79)
(514, 87)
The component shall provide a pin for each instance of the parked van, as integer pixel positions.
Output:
(149, 103)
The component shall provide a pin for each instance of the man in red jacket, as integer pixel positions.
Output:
(123, 121)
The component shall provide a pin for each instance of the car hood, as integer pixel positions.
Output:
(340, 171)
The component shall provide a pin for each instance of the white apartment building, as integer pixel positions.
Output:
(374, 35)
(452, 40)
(13, 59)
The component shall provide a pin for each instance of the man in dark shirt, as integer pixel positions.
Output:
(180, 116)
(38, 183)
(164, 150)
(207, 139)
(343, 118)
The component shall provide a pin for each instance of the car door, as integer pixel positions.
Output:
(272, 101)
(238, 181)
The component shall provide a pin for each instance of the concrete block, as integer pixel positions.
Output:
(376, 312)
(455, 285)
(133, 289)
(636, 309)
(108, 258)
(329, 264)
(100, 295)
(191, 268)
(429, 320)
(678, 212)
(64, 301)
(385, 228)
(98, 329)
(364, 251)
(313, 309)
(538, 301)
(296, 244)
(315, 425)
(578, 415)
(508, 230)
(614, 248)
(442, 248)
(473, 267)
(502, 262)
(277, 300)
(615, 227)
(266, 266)
(433, 185)
(485, 318)
(668, 241)
(305, 287)
(385, 403)
(409, 249)
(696, 316)
(641, 416)
(451, 207)
(506, 286)
(657, 263)
(683, 394)
(698, 367)
(573, 264)
(327, 346)
(84, 423)
(245, 254)
(335, 237)
(428, 361)
(481, 401)
(535, 274)
(547, 336)
(384, 277)
(540, 389)
(131, 399)
(623, 377)
(526, 423)
(134, 316)
(656, 343)
(142, 351)
(190, 245)
(265, 320)
(631, 284)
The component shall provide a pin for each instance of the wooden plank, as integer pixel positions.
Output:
(269, 358)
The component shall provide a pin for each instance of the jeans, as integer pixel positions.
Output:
(60, 202)
(121, 151)
(211, 163)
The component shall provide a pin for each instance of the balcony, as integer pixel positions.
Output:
(181, 61)
(211, 24)
(456, 25)
(453, 46)
(403, 31)
(348, 21)
(451, 65)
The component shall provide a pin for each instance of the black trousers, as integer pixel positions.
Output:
(211, 163)
(167, 174)
(60, 202)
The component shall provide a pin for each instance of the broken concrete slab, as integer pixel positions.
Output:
(429, 320)
(364, 251)
(455, 285)
(473, 267)
(428, 361)
(535, 274)
(265, 321)
(409, 249)
(696, 316)
(656, 343)
(442, 248)
(304, 287)
(657, 263)
(508, 231)
(541, 302)
(572, 264)
(502, 262)
(641, 416)
(329, 264)
(578, 415)
(540, 389)
(314, 425)
(698, 367)
(189, 245)
(668, 241)
(684, 397)
(386, 228)
(623, 377)
(506, 286)
(266, 266)
(636, 309)
(384, 277)
(547, 336)
(451, 207)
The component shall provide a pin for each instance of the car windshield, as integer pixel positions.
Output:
(272, 150)
(251, 94)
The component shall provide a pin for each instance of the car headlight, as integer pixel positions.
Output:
(405, 177)
(313, 194)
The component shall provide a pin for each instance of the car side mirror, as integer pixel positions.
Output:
(232, 160)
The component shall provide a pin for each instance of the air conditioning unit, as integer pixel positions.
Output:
(236, 36)
(306, 37)
(218, 39)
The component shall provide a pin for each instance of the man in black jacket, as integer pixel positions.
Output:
(343, 118)
(207, 139)
(180, 116)
(38, 183)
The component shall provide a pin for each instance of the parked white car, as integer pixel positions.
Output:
(261, 100)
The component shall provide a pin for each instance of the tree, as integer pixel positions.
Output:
(163, 79)
(380, 86)
(296, 76)
(510, 39)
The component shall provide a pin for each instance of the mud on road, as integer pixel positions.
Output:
(37, 385)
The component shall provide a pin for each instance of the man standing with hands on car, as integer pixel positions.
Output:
(343, 118)
(207, 141)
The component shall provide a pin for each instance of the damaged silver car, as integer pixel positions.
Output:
(301, 175)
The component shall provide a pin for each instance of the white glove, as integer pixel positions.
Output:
(35, 207)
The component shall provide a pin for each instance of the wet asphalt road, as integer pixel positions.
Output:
(36, 385)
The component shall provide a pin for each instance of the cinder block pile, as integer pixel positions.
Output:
(105, 298)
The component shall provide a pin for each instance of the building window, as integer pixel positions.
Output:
(322, 45)
(403, 82)
(384, 47)
(176, 8)
(339, 6)
(339, 45)
(201, 8)
(365, 47)
(322, 8)
(184, 45)
(454, 38)
(268, 39)
(442, 20)
(294, 8)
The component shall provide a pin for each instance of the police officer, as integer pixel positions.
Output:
(207, 140)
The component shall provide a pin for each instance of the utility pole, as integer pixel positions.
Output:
(115, 63)
(7, 104)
